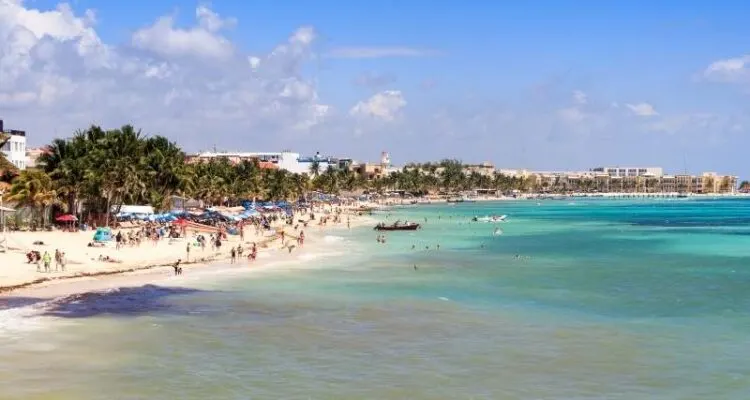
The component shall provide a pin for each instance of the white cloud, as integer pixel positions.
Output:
(379, 52)
(642, 109)
(729, 70)
(682, 122)
(204, 41)
(53, 63)
(192, 84)
(579, 97)
(384, 105)
(571, 115)
(254, 62)
(211, 21)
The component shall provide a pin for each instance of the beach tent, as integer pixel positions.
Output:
(102, 235)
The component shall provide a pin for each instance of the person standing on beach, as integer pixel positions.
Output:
(233, 254)
(187, 250)
(62, 261)
(46, 259)
(57, 259)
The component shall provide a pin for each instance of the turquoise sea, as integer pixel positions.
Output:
(568, 299)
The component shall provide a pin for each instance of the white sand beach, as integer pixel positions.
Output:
(151, 261)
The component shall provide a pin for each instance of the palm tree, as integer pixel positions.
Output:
(315, 168)
(34, 188)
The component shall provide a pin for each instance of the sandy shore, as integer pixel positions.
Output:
(148, 263)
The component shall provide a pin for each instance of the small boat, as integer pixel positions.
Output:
(410, 226)
(494, 218)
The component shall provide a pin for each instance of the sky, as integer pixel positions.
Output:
(544, 85)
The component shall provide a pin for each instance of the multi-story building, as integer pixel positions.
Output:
(486, 169)
(630, 171)
(651, 181)
(286, 160)
(32, 156)
(13, 146)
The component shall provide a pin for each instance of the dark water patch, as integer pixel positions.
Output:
(10, 302)
(126, 301)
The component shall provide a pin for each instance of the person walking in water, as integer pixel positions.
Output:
(177, 268)
(233, 254)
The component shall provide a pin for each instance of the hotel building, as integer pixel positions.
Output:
(14, 146)
(286, 160)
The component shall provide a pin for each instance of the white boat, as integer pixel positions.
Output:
(494, 218)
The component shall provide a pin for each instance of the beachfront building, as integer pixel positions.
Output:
(629, 171)
(13, 144)
(631, 180)
(485, 169)
(32, 156)
(286, 160)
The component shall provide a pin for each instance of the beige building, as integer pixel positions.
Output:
(486, 169)
(650, 181)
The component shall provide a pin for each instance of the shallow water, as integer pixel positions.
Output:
(584, 299)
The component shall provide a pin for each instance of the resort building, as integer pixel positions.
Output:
(624, 180)
(629, 171)
(649, 182)
(13, 144)
(32, 155)
(485, 169)
(285, 160)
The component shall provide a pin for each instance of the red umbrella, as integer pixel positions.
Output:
(66, 218)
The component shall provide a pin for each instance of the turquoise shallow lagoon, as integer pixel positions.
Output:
(568, 299)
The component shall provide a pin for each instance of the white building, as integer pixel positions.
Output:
(286, 160)
(15, 148)
(656, 172)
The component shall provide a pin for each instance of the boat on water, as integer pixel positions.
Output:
(397, 226)
(462, 199)
(493, 218)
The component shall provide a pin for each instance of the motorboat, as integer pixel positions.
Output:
(397, 226)
(493, 218)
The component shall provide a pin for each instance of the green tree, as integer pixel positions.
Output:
(34, 189)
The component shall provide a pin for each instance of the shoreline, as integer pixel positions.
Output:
(135, 273)
(552, 196)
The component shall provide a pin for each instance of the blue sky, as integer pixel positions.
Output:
(543, 84)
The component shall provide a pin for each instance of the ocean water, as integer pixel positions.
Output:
(568, 299)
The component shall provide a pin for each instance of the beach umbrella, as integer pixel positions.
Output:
(66, 218)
